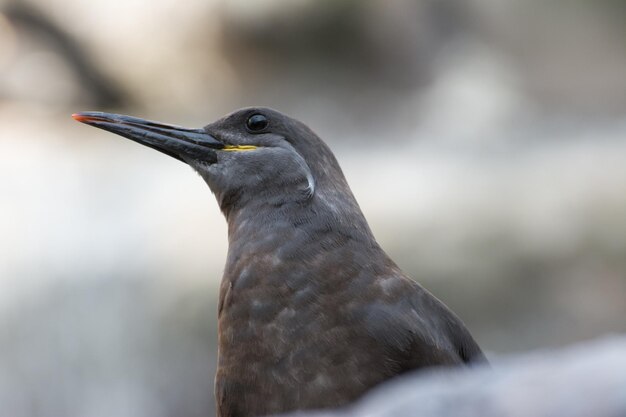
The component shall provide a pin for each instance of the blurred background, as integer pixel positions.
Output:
(485, 141)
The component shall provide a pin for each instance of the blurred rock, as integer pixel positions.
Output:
(580, 381)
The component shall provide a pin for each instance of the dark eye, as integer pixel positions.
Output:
(257, 122)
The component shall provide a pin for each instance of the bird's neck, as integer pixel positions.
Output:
(326, 219)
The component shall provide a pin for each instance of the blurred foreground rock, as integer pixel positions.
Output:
(587, 380)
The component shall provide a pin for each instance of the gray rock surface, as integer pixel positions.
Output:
(586, 380)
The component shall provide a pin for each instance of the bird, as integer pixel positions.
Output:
(312, 312)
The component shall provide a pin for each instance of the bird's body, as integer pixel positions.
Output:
(312, 312)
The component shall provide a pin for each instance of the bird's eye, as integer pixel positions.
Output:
(257, 122)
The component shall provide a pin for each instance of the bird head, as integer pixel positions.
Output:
(253, 154)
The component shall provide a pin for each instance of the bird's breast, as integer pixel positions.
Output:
(289, 337)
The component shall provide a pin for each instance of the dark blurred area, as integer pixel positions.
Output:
(484, 140)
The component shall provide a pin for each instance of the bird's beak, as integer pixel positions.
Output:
(175, 141)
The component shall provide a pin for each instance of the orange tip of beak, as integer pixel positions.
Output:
(80, 117)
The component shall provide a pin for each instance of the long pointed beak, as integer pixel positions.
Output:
(175, 141)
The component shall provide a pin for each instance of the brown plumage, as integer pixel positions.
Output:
(312, 312)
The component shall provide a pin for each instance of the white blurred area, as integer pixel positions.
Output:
(485, 142)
